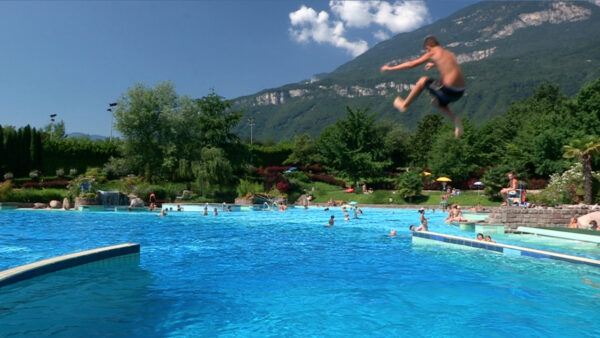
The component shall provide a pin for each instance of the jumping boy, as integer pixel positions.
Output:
(449, 89)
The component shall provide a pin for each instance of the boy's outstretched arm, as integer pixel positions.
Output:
(407, 64)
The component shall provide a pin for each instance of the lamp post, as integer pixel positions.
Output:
(52, 119)
(114, 104)
(251, 123)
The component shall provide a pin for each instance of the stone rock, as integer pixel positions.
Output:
(136, 203)
(66, 204)
(54, 204)
(39, 205)
(79, 201)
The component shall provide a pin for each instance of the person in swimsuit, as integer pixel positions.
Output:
(450, 88)
(423, 226)
(513, 184)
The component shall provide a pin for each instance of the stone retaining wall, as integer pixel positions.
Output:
(514, 217)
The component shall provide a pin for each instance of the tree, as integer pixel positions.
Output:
(303, 151)
(56, 130)
(213, 170)
(36, 149)
(584, 149)
(453, 157)
(528, 137)
(584, 110)
(2, 153)
(143, 118)
(353, 146)
(397, 143)
(215, 121)
(422, 140)
(410, 184)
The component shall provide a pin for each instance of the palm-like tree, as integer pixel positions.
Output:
(584, 149)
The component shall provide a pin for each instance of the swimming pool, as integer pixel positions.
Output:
(282, 274)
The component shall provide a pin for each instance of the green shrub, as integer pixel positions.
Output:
(247, 188)
(118, 167)
(410, 184)
(5, 190)
(35, 195)
(495, 179)
(298, 176)
(164, 191)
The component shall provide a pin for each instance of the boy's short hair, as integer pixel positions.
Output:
(431, 41)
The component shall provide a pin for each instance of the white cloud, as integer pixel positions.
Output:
(307, 24)
(390, 18)
(402, 16)
(381, 35)
(353, 13)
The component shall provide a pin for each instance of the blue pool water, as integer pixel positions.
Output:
(282, 274)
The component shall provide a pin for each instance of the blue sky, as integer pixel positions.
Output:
(73, 58)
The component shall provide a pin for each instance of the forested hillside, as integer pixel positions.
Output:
(507, 49)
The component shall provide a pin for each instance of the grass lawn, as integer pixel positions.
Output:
(323, 192)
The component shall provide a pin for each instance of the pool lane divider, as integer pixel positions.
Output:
(35, 269)
(425, 237)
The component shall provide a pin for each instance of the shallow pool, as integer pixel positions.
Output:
(283, 274)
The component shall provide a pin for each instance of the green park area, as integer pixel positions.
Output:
(183, 149)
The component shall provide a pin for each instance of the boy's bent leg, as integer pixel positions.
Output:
(399, 104)
(402, 104)
(458, 127)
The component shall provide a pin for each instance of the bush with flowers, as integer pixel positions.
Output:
(565, 188)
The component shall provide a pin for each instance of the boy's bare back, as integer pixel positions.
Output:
(448, 67)
(448, 89)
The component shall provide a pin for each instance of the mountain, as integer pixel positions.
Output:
(92, 137)
(506, 50)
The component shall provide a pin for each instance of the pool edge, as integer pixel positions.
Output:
(45, 266)
(506, 249)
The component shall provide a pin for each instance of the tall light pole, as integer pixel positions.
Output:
(52, 119)
(114, 104)
(251, 123)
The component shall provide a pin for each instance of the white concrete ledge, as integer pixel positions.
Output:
(506, 249)
(560, 234)
(49, 265)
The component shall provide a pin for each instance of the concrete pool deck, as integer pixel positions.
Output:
(49, 265)
(591, 237)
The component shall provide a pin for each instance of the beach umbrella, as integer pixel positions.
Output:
(444, 180)
(478, 184)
